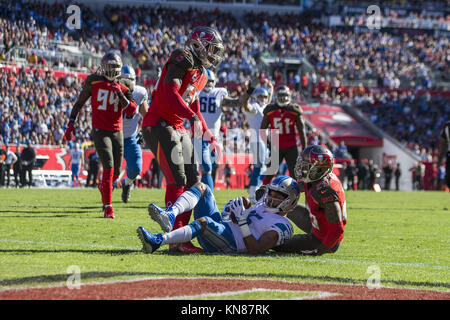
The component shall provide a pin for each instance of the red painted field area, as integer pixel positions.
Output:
(175, 287)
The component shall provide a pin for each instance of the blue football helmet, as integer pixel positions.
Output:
(261, 95)
(211, 81)
(287, 187)
(128, 77)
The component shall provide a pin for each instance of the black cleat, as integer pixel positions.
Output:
(126, 192)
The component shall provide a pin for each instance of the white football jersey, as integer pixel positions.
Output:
(260, 220)
(76, 156)
(255, 115)
(130, 125)
(210, 107)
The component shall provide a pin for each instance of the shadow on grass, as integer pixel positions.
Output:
(89, 251)
(267, 276)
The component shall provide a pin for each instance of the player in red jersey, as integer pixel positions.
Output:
(325, 215)
(174, 100)
(284, 117)
(109, 99)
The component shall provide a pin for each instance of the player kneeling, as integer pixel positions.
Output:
(239, 229)
(324, 216)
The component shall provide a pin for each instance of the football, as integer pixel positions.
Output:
(246, 202)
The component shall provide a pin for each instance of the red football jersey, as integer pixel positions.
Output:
(283, 119)
(106, 109)
(317, 194)
(192, 83)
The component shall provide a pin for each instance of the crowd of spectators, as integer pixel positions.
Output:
(150, 33)
(41, 26)
(414, 120)
(34, 105)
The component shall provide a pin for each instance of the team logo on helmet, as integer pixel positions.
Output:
(202, 35)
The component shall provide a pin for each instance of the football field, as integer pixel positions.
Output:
(54, 241)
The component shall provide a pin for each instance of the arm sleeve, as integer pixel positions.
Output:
(131, 108)
(170, 91)
(335, 232)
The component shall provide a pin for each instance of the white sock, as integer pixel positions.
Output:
(180, 235)
(251, 191)
(128, 181)
(185, 202)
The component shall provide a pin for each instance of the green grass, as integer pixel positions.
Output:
(43, 232)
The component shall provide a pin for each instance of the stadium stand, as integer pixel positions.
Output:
(398, 79)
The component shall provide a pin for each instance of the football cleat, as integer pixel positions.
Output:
(126, 192)
(109, 212)
(165, 218)
(150, 242)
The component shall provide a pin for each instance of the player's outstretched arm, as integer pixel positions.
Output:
(84, 96)
(300, 124)
(242, 100)
(171, 86)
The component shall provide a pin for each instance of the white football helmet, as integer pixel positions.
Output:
(210, 82)
(286, 186)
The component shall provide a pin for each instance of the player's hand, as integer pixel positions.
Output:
(239, 211)
(115, 87)
(140, 137)
(196, 127)
(217, 149)
(314, 252)
(260, 192)
(70, 130)
(252, 84)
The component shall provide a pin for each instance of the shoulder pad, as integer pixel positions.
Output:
(93, 77)
(323, 192)
(182, 58)
(295, 107)
(270, 108)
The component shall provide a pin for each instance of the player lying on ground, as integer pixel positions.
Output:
(254, 230)
(324, 216)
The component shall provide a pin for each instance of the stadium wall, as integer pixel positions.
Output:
(237, 8)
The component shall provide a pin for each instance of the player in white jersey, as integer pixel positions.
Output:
(131, 134)
(253, 230)
(212, 101)
(254, 113)
(76, 156)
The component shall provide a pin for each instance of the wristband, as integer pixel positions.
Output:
(194, 118)
(245, 230)
(212, 139)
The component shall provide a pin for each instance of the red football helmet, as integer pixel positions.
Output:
(207, 45)
(111, 66)
(314, 163)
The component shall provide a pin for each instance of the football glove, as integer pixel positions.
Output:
(140, 138)
(252, 85)
(239, 211)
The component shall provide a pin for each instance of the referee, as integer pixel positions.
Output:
(445, 150)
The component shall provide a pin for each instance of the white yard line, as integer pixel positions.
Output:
(317, 295)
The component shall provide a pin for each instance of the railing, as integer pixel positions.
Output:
(85, 60)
